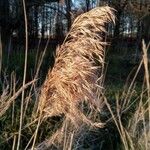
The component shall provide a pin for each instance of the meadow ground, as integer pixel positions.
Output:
(125, 110)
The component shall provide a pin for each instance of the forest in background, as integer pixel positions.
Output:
(53, 18)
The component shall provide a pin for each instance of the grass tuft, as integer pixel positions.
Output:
(75, 82)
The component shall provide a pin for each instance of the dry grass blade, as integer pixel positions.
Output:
(145, 62)
(147, 80)
(6, 100)
(134, 134)
(74, 78)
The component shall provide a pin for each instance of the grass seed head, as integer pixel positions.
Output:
(75, 76)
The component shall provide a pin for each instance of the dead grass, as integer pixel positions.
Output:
(9, 94)
(77, 77)
(135, 132)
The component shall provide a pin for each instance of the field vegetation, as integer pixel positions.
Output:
(83, 91)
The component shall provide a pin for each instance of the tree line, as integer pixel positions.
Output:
(53, 18)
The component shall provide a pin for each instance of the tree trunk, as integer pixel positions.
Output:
(5, 24)
(87, 5)
(68, 10)
(116, 35)
(36, 21)
(146, 28)
(43, 23)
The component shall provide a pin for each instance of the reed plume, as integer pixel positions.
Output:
(77, 74)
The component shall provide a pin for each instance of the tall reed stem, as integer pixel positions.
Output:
(25, 70)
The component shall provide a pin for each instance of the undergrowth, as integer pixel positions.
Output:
(134, 119)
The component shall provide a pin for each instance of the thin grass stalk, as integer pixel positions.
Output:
(41, 58)
(36, 76)
(145, 62)
(129, 138)
(144, 124)
(125, 97)
(36, 131)
(118, 125)
(143, 112)
(29, 142)
(25, 72)
(71, 141)
(112, 114)
(29, 124)
(34, 136)
(68, 136)
(123, 134)
(65, 136)
(137, 113)
(147, 78)
(37, 55)
(14, 142)
(14, 91)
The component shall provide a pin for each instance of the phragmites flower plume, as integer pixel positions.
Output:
(77, 74)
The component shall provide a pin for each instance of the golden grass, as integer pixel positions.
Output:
(75, 82)
(76, 77)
